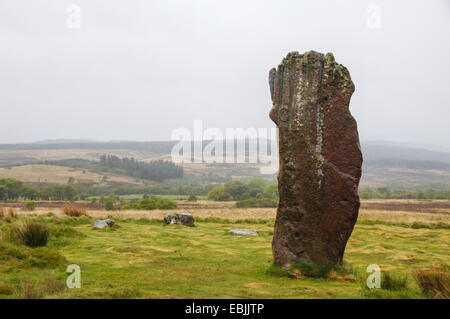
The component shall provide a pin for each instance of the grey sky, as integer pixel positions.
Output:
(135, 70)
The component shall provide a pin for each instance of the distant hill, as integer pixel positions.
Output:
(385, 163)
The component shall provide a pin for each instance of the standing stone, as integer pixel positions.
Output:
(320, 159)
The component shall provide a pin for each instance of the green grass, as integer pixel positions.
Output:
(147, 259)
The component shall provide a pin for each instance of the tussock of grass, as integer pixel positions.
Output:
(30, 291)
(435, 282)
(29, 206)
(392, 282)
(74, 211)
(12, 212)
(54, 285)
(51, 286)
(31, 234)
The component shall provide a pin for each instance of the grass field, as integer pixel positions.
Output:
(142, 258)
(140, 196)
(60, 175)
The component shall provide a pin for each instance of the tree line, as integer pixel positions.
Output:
(154, 170)
(13, 189)
(238, 191)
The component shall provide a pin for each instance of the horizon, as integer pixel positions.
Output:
(385, 143)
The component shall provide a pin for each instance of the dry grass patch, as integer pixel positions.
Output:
(435, 282)
(12, 212)
(74, 211)
(4, 212)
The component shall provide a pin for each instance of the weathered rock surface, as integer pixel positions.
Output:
(244, 232)
(320, 159)
(102, 223)
(179, 218)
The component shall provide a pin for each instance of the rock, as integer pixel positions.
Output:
(237, 231)
(179, 218)
(320, 159)
(102, 223)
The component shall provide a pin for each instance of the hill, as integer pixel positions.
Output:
(51, 174)
(385, 163)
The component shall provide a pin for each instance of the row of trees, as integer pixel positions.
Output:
(155, 170)
(237, 190)
(12, 189)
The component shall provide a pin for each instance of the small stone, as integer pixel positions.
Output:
(102, 223)
(179, 218)
(238, 231)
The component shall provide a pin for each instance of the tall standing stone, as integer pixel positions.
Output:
(320, 159)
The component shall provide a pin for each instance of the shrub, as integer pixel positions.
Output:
(434, 283)
(390, 282)
(219, 194)
(256, 202)
(166, 204)
(271, 191)
(30, 206)
(192, 198)
(151, 203)
(147, 204)
(109, 204)
(237, 190)
(74, 211)
(32, 234)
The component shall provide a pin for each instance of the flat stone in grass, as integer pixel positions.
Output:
(249, 232)
(102, 223)
(179, 218)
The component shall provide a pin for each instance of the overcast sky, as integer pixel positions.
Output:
(136, 70)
